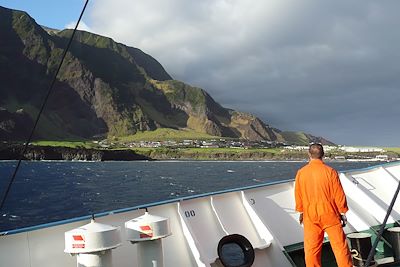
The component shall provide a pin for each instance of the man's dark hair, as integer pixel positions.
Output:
(316, 151)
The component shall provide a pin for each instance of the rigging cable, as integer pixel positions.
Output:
(3, 199)
(382, 229)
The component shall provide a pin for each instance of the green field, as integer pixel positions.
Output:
(219, 153)
(163, 134)
(392, 149)
(71, 144)
(213, 150)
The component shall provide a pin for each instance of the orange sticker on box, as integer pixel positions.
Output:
(147, 232)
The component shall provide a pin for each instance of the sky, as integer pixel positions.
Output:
(329, 68)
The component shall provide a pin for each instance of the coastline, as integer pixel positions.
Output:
(61, 153)
(57, 153)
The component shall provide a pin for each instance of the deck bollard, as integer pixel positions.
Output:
(394, 239)
(360, 246)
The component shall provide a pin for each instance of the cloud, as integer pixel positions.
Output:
(328, 68)
(82, 26)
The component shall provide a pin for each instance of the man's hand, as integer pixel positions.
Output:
(343, 219)
(301, 218)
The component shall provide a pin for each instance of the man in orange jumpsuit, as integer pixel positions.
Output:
(321, 201)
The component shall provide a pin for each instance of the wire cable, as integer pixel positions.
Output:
(3, 199)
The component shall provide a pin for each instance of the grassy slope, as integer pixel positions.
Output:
(392, 149)
(71, 144)
(165, 134)
(219, 154)
(46, 123)
(295, 138)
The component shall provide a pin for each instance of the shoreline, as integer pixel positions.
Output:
(196, 160)
(56, 153)
(81, 154)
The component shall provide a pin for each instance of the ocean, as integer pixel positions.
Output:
(51, 191)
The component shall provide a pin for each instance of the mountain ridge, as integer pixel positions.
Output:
(105, 88)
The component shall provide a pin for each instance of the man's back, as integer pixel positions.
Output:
(319, 192)
(320, 199)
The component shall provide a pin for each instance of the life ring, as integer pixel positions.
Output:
(243, 243)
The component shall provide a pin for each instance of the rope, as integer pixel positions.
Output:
(41, 110)
(356, 256)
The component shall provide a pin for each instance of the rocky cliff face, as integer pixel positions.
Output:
(14, 125)
(104, 88)
(13, 152)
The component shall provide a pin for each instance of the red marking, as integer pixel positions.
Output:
(78, 245)
(146, 235)
(145, 228)
(147, 231)
(78, 238)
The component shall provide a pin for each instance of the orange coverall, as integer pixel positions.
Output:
(320, 197)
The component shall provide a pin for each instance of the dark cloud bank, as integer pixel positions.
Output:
(328, 68)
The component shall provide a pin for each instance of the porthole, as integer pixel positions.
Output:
(235, 251)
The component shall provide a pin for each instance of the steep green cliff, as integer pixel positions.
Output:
(104, 88)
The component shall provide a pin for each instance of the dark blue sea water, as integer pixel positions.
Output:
(51, 191)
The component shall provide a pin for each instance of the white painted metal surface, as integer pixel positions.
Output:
(265, 215)
(150, 253)
(92, 237)
(147, 227)
(147, 232)
(96, 259)
(92, 244)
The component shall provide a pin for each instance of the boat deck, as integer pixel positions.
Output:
(383, 256)
(263, 214)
